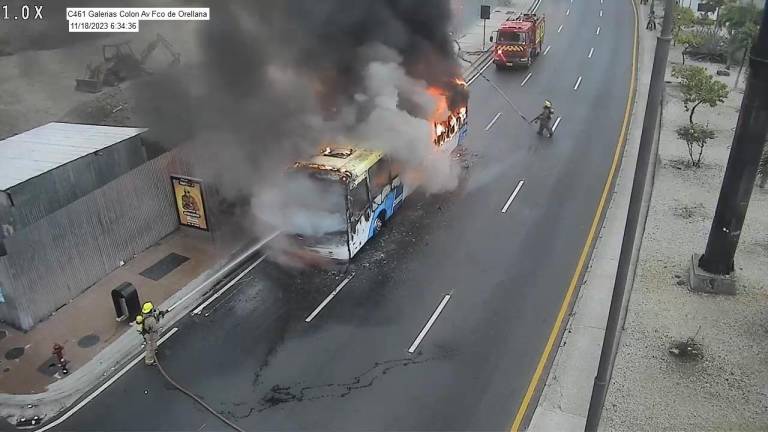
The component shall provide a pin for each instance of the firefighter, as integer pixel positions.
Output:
(140, 325)
(150, 329)
(545, 119)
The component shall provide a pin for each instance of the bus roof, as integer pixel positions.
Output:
(350, 162)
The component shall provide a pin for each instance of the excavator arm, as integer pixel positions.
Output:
(152, 46)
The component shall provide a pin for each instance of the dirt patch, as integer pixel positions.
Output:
(685, 165)
(687, 351)
(690, 212)
(110, 107)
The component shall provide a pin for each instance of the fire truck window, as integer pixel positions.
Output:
(358, 198)
(379, 175)
(512, 37)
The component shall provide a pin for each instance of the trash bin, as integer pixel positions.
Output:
(125, 298)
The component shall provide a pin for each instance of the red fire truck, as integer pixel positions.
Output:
(519, 41)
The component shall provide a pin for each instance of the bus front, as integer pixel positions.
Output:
(315, 220)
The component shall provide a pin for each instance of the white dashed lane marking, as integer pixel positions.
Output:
(526, 79)
(490, 125)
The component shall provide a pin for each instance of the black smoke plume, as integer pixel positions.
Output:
(278, 79)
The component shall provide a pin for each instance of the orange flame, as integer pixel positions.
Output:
(440, 112)
(445, 123)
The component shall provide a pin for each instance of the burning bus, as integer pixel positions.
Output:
(360, 188)
(449, 119)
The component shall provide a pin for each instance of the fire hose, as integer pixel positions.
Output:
(196, 399)
(506, 98)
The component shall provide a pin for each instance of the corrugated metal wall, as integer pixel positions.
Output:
(58, 257)
(55, 189)
(5, 282)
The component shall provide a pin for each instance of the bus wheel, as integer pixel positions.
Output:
(379, 223)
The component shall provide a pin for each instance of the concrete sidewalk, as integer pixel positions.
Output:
(565, 398)
(178, 271)
(690, 361)
(88, 324)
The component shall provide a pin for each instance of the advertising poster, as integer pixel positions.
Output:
(189, 202)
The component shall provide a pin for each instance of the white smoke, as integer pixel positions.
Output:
(298, 204)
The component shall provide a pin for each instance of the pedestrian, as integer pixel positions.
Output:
(651, 25)
(150, 329)
(545, 119)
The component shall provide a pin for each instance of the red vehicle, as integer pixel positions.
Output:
(519, 41)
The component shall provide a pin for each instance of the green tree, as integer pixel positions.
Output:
(741, 39)
(695, 136)
(699, 87)
(719, 4)
(688, 39)
(735, 16)
(683, 18)
(741, 22)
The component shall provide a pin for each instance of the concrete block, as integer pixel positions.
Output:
(702, 281)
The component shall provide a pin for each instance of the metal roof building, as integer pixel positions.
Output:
(35, 152)
(75, 200)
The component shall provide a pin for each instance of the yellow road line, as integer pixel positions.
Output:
(521, 412)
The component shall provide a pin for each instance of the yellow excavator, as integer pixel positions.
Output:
(121, 64)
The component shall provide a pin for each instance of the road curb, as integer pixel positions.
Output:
(63, 394)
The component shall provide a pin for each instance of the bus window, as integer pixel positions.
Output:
(359, 201)
(379, 176)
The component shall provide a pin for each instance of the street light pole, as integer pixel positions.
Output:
(649, 131)
(743, 161)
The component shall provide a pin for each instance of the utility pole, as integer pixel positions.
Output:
(714, 270)
(650, 123)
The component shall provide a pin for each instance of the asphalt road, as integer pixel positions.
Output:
(256, 360)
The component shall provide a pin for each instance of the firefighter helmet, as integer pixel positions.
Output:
(547, 104)
(147, 308)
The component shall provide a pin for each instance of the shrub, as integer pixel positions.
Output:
(695, 136)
